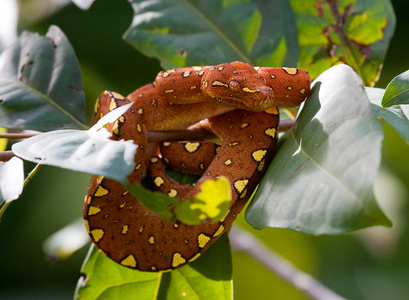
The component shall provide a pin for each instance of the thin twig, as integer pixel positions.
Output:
(244, 241)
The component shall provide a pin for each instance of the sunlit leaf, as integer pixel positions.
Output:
(182, 33)
(355, 32)
(11, 180)
(397, 91)
(321, 179)
(85, 151)
(208, 277)
(396, 115)
(213, 203)
(64, 242)
(40, 83)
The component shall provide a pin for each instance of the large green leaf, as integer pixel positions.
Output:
(208, 277)
(88, 151)
(355, 32)
(396, 115)
(397, 91)
(321, 179)
(187, 32)
(40, 83)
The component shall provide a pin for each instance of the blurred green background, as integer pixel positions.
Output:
(369, 264)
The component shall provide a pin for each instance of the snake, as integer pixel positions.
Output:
(237, 103)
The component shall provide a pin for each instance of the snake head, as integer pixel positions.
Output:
(237, 85)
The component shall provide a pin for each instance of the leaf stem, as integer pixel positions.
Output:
(244, 241)
(32, 173)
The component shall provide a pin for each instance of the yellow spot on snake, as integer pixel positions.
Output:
(193, 87)
(228, 162)
(243, 194)
(153, 268)
(290, 71)
(97, 234)
(112, 105)
(173, 193)
(140, 111)
(124, 229)
(219, 83)
(158, 181)
(118, 96)
(139, 128)
(186, 73)
(178, 260)
(141, 229)
(129, 261)
(169, 91)
(247, 90)
(166, 144)
(261, 165)
(93, 210)
(272, 111)
(101, 191)
(115, 129)
(138, 166)
(219, 231)
(302, 91)
(240, 185)
(289, 88)
(151, 240)
(195, 257)
(154, 159)
(244, 125)
(86, 223)
(271, 132)
(122, 205)
(89, 198)
(97, 106)
(192, 147)
(258, 155)
(202, 240)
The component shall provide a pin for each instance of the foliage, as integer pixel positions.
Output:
(328, 160)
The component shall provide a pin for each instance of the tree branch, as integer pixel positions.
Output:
(241, 240)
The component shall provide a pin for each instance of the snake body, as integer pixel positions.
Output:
(234, 101)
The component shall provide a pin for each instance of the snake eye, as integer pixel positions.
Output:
(234, 86)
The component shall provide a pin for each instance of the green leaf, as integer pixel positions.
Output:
(213, 203)
(40, 84)
(11, 180)
(84, 151)
(155, 201)
(321, 178)
(355, 32)
(186, 32)
(396, 115)
(208, 277)
(105, 279)
(397, 91)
